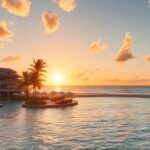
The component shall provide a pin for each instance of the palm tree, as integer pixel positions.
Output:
(25, 81)
(37, 74)
(38, 66)
(36, 82)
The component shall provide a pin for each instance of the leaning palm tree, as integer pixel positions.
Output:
(37, 73)
(25, 81)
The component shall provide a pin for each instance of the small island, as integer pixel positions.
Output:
(52, 100)
(33, 79)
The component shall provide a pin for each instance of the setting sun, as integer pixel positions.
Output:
(57, 78)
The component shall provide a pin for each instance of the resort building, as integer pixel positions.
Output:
(9, 83)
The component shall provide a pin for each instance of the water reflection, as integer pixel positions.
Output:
(106, 123)
(58, 89)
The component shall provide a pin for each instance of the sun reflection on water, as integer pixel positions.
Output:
(58, 89)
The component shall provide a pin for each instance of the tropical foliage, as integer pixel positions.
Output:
(25, 81)
(34, 77)
(35, 102)
(37, 74)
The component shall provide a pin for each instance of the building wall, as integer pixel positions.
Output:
(9, 83)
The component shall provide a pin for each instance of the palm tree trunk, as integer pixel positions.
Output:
(33, 91)
(27, 91)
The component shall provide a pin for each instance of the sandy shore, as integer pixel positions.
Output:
(111, 95)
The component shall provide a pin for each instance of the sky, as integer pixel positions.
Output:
(83, 42)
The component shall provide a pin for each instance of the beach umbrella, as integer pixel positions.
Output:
(53, 93)
(62, 93)
(69, 94)
(44, 94)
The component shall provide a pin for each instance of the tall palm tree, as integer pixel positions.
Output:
(38, 66)
(25, 81)
(36, 81)
(37, 74)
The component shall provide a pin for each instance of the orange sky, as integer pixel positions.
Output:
(87, 42)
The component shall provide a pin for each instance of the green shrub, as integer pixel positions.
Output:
(35, 102)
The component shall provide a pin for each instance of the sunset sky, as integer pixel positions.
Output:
(85, 42)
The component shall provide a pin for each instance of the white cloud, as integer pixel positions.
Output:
(148, 57)
(50, 21)
(98, 46)
(66, 5)
(17, 7)
(5, 33)
(124, 53)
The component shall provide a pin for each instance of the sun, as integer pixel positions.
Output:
(57, 78)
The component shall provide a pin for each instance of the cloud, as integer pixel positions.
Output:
(85, 75)
(80, 75)
(66, 5)
(5, 33)
(136, 80)
(98, 46)
(113, 80)
(17, 7)
(50, 21)
(1, 45)
(148, 57)
(124, 53)
(11, 23)
(10, 59)
(148, 1)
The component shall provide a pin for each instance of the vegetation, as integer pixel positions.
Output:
(25, 81)
(37, 73)
(35, 102)
(33, 77)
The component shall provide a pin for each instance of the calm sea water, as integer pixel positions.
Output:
(96, 123)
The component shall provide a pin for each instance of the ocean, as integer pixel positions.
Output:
(100, 89)
(96, 123)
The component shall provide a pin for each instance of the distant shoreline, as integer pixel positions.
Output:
(96, 86)
(111, 95)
